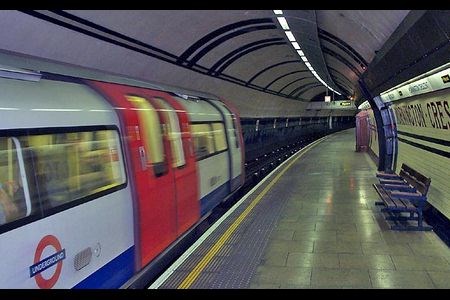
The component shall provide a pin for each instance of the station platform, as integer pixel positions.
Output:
(312, 223)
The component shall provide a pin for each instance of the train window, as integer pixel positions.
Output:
(151, 134)
(42, 171)
(219, 136)
(14, 195)
(173, 133)
(71, 166)
(203, 140)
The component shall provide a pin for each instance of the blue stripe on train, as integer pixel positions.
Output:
(112, 275)
(211, 200)
(215, 197)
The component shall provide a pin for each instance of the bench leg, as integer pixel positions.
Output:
(396, 217)
(420, 222)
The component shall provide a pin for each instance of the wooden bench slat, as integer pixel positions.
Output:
(392, 181)
(387, 175)
(383, 195)
(407, 195)
(399, 188)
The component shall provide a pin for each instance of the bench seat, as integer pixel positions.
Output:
(403, 194)
(388, 175)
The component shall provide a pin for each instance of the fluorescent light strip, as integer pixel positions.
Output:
(290, 36)
(283, 23)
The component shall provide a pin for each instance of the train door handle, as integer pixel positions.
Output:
(143, 158)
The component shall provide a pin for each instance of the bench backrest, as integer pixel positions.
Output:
(416, 179)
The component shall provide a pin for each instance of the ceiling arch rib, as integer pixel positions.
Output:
(340, 75)
(271, 67)
(184, 57)
(231, 57)
(284, 75)
(292, 82)
(342, 53)
(342, 60)
(220, 40)
(306, 87)
(298, 89)
(323, 34)
(349, 92)
(347, 87)
(106, 34)
(223, 39)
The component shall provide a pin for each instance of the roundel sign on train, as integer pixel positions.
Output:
(55, 255)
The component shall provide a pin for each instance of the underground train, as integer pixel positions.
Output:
(98, 178)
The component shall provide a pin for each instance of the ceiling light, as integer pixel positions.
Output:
(283, 23)
(296, 46)
(290, 36)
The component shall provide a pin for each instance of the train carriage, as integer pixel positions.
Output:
(98, 178)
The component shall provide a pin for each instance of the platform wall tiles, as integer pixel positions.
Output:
(423, 124)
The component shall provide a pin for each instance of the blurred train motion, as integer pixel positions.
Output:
(99, 178)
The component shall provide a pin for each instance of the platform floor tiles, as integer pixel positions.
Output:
(330, 234)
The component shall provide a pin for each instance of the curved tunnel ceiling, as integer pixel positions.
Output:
(248, 48)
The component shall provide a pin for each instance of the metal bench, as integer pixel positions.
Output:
(408, 194)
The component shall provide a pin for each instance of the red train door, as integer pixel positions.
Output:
(156, 211)
(183, 161)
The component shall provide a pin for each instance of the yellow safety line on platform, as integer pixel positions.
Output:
(192, 276)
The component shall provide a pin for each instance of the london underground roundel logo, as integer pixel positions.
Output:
(42, 264)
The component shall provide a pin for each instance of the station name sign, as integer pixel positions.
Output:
(434, 82)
